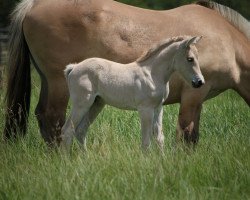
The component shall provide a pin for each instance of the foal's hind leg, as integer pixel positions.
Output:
(88, 119)
(80, 108)
(158, 126)
(70, 125)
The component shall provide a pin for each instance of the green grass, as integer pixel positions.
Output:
(114, 166)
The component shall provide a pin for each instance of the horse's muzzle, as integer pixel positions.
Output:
(197, 82)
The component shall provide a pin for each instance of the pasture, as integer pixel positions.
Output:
(114, 166)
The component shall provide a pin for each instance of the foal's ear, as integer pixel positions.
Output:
(193, 40)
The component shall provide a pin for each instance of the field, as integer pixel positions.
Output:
(114, 166)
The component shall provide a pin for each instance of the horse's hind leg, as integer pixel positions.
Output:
(50, 111)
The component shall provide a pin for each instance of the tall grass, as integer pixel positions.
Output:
(115, 168)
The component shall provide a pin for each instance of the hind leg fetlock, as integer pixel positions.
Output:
(50, 122)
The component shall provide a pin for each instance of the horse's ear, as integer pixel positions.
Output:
(193, 40)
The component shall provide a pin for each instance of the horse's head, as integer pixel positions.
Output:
(186, 62)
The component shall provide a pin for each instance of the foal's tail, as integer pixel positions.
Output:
(18, 75)
(67, 71)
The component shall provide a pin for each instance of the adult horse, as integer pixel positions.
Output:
(55, 33)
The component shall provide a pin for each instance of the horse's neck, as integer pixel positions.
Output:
(160, 65)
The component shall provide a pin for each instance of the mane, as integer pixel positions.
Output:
(159, 46)
(235, 18)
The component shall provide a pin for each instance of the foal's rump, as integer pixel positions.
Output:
(113, 82)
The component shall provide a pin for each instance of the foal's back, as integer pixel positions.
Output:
(115, 83)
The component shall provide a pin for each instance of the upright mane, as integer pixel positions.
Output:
(231, 15)
(159, 46)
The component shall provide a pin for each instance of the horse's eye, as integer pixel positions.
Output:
(190, 59)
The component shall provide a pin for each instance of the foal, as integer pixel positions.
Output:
(141, 85)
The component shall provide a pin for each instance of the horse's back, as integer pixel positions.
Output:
(62, 32)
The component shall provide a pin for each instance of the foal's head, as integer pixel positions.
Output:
(186, 62)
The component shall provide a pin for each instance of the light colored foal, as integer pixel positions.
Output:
(141, 85)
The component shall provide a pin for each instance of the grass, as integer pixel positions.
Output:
(115, 168)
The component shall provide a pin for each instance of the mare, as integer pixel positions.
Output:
(54, 33)
(142, 85)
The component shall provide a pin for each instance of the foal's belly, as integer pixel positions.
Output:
(119, 98)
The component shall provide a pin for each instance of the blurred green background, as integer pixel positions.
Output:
(242, 6)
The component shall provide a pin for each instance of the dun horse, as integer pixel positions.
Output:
(54, 33)
(141, 85)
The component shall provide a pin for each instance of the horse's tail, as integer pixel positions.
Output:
(231, 15)
(18, 75)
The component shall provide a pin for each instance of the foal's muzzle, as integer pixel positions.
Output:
(197, 82)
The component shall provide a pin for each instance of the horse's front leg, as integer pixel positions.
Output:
(189, 115)
(158, 126)
(147, 118)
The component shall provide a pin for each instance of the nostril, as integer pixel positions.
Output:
(200, 82)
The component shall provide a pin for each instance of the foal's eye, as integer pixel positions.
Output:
(190, 59)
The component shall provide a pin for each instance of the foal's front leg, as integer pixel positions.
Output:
(147, 118)
(158, 126)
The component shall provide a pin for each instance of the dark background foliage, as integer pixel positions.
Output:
(242, 6)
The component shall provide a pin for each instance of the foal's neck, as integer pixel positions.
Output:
(161, 65)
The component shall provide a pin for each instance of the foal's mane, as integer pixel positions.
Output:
(235, 18)
(159, 46)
